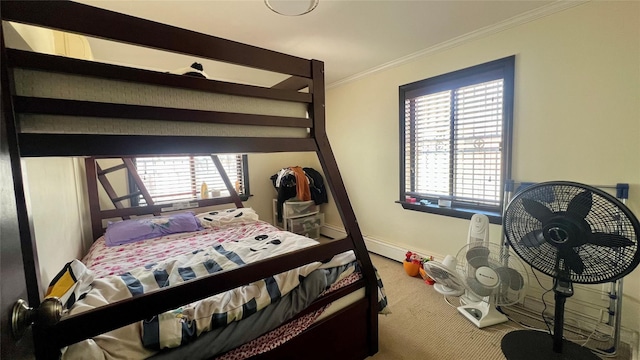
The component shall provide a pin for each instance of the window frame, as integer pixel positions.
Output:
(505, 68)
(244, 196)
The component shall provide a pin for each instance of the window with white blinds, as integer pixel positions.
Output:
(180, 178)
(456, 135)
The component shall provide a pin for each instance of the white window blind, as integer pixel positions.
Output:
(179, 178)
(454, 144)
(477, 147)
(455, 140)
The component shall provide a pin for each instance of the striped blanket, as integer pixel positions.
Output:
(173, 328)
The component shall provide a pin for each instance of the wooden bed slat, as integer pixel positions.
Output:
(37, 144)
(35, 105)
(111, 169)
(157, 209)
(293, 83)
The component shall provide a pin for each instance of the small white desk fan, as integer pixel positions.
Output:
(449, 281)
(480, 275)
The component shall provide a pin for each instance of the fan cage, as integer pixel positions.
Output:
(606, 214)
(443, 276)
(498, 257)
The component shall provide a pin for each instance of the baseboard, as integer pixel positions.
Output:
(632, 338)
(375, 246)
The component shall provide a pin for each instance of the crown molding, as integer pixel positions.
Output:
(515, 21)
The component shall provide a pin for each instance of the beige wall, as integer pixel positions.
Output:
(577, 117)
(56, 209)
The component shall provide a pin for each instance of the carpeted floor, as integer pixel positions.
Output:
(423, 325)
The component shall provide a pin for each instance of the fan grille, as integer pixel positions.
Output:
(442, 275)
(540, 243)
(512, 278)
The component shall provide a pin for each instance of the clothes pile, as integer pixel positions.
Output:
(304, 184)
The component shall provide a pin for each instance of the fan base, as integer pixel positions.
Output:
(482, 314)
(536, 345)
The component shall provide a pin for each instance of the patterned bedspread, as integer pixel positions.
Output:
(104, 260)
(137, 268)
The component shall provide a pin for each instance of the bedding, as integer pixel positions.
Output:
(103, 260)
(229, 239)
(132, 230)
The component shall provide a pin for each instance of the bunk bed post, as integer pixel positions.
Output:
(18, 240)
(94, 201)
(331, 171)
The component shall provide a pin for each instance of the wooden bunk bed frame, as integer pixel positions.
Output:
(352, 332)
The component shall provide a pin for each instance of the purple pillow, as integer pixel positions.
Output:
(128, 231)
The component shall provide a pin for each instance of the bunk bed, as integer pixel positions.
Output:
(221, 117)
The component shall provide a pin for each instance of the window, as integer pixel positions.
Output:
(179, 178)
(455, 138)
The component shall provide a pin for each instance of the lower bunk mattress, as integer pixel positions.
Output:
(235, 324)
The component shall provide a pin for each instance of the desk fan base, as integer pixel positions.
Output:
(482, 314)
(536, 345)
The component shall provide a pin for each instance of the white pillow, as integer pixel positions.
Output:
(227, 217)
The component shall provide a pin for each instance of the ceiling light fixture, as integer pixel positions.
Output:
(291, 7)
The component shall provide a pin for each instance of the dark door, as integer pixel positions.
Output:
(18, 262)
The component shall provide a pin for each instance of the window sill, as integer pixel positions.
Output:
(462, 213)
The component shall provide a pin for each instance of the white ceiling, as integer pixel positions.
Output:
(352, 37)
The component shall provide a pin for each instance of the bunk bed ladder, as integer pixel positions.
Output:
(127, 163)
(223, 174)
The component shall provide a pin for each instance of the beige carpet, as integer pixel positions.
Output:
(423, 326)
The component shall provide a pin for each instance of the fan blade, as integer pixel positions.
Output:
(478, 256)
(580, 205)
(536, 209)
(571, 259)
(436, 274)
(609, 240)
(478, 288)
(533, 238)
(511, 277)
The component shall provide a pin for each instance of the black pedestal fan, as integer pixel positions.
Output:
(576, 234)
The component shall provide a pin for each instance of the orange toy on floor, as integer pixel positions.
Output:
(412, 263)
(413, 266)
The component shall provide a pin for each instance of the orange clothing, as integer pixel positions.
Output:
(302, 184)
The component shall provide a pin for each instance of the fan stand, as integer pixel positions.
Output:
(482, 314)
(534, 345)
